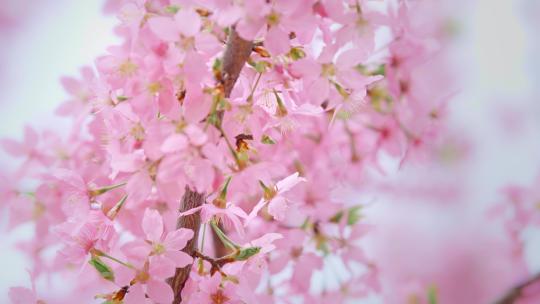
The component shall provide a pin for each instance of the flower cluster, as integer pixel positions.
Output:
(328, 86)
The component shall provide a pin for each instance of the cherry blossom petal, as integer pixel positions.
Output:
(152, 225)
(176, 240)
(139, 187)
(278, 208)
(136, 295)
(161, 267)
(277, 41)
(265, 241)
(188, 22)
(159, 291)
(255, 211)
(164, 28)
(174, 142)
(318, 91)
(289, 182)
(70, 179)
(180, 258)
(13, 147)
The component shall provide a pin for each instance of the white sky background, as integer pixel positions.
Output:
(57, 39)
(496, 48)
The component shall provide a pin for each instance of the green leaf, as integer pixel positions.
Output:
(104, 270)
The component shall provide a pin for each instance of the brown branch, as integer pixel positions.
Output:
(516, 292)
(236, 54)
(190, 200)
(216, 264)
(234, 59)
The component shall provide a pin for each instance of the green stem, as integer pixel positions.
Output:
(103, 254)
(223, 237)
(250, 97)
(233, 152)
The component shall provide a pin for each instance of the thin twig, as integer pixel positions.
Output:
(512, 295)
(215, 263)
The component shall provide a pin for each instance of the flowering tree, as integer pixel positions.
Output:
(210, 151)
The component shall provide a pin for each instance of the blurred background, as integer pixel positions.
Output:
(495, 117)
(40, 41)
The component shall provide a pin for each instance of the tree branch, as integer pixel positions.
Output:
(234, 59)
(515, 293)
(191, 199)
(236, 54)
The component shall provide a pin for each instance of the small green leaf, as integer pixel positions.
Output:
(354, 215)
(104, 270)
(246, 253)
(267, 140)
(122, 98)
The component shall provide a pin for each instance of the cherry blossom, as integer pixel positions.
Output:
(211, 150)
(274, 197)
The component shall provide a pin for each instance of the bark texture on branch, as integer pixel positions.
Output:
(236, 54)
(234, 59)
(190, 200)
(515, 293)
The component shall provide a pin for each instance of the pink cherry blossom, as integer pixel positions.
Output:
(274, 197)
(334, 91)
(165, 253)
(230, 215)
(84, 235)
